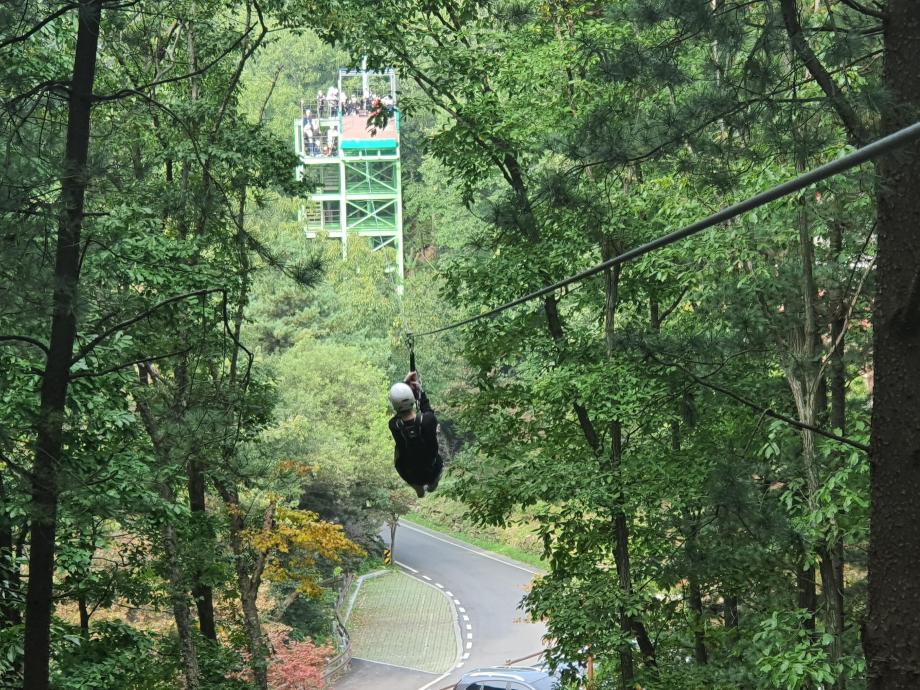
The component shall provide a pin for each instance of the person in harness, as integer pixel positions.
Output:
(414, 431)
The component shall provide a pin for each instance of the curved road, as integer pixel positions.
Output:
(485, 589)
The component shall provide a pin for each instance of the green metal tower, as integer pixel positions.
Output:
(359, 191)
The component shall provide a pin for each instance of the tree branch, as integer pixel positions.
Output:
(124, 93)
(24, 339)
(862, 9)
(851, 121)
(125, 365)
(769, 412)
(38, 27)
(89, 347)
(826, 358)
(667, 312)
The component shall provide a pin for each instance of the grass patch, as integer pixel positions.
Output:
(400, 620)
(484, 539)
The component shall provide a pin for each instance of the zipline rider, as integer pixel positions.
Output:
(415, 432)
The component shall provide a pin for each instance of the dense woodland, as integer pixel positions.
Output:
(716, 443)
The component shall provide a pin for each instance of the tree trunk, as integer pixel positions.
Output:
(810, 393)
(170, 538)
(621, 558)
(730, 612)
(84, 616)
(9, 569)
(807, 593)
(620, 526)
(694, 593)
(893, 629)
(833, 562)
(832, 591)
(628, 622)
(177, 595)
(49, 437)
(699, 633)
(526, 222)
(203, 594)
(248, 582)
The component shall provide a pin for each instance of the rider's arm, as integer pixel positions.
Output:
(423, 403)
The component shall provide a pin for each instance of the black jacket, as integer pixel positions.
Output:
(417, 463)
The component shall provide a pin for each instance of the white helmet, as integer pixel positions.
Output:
(401, 397)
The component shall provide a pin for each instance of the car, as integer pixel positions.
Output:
(508, 678)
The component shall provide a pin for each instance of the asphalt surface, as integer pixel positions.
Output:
(485, 589)
(365, 675)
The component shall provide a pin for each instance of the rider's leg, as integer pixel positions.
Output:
(439, 468)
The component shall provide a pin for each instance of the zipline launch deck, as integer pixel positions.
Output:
(347, 138)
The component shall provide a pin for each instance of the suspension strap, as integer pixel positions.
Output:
(410, 343)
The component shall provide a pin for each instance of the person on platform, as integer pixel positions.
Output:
(309, 134)
(415, 432)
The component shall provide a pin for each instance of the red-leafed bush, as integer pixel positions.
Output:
(296, 665)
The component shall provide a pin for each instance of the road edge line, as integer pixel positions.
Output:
(460, 545)
(458, 633)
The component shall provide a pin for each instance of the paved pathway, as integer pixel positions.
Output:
(484, 589)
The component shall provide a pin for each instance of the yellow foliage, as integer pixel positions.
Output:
(294, 542)
(301, 469)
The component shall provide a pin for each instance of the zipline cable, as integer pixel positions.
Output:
(835, 167)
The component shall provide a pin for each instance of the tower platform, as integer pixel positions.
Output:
(356, 166)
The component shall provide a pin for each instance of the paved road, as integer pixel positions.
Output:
(372, 675)
(485, 588)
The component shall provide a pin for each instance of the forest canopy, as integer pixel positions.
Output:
(193, 443)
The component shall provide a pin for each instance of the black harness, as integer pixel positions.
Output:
(411, 433)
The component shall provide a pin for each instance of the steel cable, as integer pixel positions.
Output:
(835, 167)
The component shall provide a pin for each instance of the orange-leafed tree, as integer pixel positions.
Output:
(294, 542)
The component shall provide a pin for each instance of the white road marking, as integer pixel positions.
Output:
(456, 630)
(469, 635)
(383, 663)
(466, 548)
(436, 680)
(407, 567)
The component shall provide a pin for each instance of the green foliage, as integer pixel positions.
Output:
(566, 133)
(332, 419)
(538, 139)
(115, 656)
(308, 618)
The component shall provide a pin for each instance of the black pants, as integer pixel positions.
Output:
(420, 475)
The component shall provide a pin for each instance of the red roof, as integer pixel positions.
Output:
(355, 127)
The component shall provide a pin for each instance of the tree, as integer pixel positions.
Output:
(60, 350)
(893, 595)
